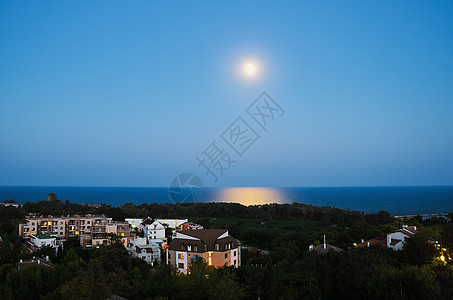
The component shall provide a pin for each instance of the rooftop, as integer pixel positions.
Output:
(323, 250)
(45, 236)
(380, 240)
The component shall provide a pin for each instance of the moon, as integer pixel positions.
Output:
(250, 69)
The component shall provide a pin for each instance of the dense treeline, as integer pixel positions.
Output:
(326, 214)
(290, 271)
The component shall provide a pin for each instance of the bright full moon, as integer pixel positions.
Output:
(250, 69)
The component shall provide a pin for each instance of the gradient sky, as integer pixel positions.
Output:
(116, 93)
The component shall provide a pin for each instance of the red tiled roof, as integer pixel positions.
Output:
(411, 229)
(139, 249)
(393, 242)
(208, 237)
(380, 240)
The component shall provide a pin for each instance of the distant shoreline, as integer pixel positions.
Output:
(398, 201)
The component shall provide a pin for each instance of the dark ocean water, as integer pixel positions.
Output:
(396, 200)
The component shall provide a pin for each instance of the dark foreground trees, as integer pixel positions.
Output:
(288, 272)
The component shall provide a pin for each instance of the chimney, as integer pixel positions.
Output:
(324, 241)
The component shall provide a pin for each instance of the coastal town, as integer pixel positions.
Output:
(187, 240)
(221, 244)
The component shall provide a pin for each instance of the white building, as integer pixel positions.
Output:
(40, 240)
(172, 223)
(10, 203)
(395, 239)
(135, 223)
(148, 252)
(152, 229)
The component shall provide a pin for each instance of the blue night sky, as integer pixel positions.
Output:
(116, 93)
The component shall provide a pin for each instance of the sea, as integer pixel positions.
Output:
(404, 200)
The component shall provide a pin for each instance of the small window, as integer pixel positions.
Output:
(234, 253)
(226, 255)
(181, 265)
(169, 255)
(217, 246)
(183, 247)
(234, 262)
(195, 248)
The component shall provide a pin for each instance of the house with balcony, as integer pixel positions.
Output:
(214, 246)
(44, 239)
(151, 253)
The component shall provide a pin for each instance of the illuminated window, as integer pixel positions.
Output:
(122, 234)
(76, 232)
(180, 256)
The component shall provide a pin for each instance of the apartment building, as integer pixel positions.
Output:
(215, 246)
(92, 230)
(64, 226)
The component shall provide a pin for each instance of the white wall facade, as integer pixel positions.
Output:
(172, 223)
(181, 261)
